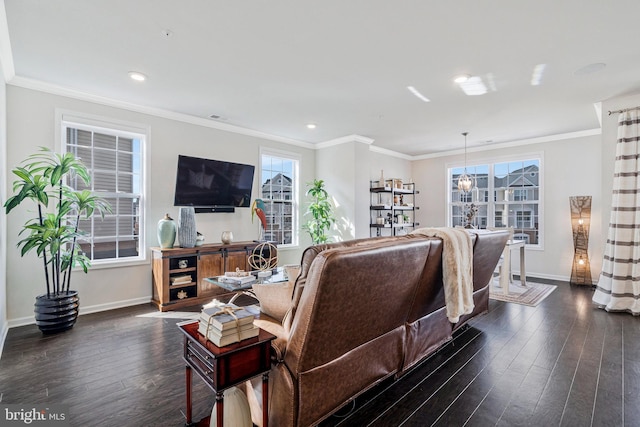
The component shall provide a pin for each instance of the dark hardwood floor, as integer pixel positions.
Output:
(561, 363)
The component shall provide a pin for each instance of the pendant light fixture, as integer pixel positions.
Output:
(465, 182)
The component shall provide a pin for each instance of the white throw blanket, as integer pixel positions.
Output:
(457, 269)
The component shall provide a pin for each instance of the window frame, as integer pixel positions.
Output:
(491, 203)
(295, 199)
(87, 122)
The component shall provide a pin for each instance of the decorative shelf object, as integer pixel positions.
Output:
(392, 207)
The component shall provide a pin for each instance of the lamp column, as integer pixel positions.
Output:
(580, 222)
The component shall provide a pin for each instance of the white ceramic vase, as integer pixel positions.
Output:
(236, 409)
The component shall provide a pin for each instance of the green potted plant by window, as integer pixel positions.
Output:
(321, 212)
(42, 180)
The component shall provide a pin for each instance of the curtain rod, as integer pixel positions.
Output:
(624, 110)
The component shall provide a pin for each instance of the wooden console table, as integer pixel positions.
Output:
(192, 266)
(224, 367)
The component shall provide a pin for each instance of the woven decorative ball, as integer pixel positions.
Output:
(264, 257)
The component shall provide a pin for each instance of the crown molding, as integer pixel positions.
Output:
(6, 55)
(363, 140)
(38, 85)
(597, 106)
(344, 140)
(517, 143)
(391, 153)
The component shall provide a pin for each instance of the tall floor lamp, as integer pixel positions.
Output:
(580, 221)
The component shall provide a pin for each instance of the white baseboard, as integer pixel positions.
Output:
(30, 320)
(543, 276)
(567, 279)
(3, 337)
(114, 305)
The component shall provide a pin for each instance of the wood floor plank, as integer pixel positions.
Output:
(631, 360)
(469, 387)
(523, 396)
(428, 392)
(579, 405)
(388, 396)
(563, 362)
(608, 405)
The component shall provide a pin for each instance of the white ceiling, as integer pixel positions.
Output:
(274, 66)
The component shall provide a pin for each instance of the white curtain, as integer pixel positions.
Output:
(618, 288)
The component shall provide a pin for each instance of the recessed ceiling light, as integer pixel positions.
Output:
(536, 76)
(137, 76)
(417, 94)
(473, 86)
(311, 126)
(461, 78)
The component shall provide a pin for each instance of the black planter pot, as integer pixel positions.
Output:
(56, 312)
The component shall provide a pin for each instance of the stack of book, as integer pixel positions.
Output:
(237, 280)
(181, 280)
(226, 324)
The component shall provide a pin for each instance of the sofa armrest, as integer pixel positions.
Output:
(279, 344)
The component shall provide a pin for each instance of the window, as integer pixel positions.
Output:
(523, 219)
(114, 158)
(507, 194)
(279, 191)
(519, 195)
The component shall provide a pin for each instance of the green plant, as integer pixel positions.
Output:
(54, 231)
(321, 212)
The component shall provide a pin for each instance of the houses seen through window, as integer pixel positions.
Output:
(114, 161)
(506, 194)
(279, 190)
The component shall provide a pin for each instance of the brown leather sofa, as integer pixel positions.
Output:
(362, 311)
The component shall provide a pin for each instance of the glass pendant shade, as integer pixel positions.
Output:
(465, 182)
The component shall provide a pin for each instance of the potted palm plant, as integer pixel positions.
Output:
(53, 232)
(321, 212)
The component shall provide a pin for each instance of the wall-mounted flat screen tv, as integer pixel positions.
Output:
(210, 183)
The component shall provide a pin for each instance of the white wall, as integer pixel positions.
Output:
(31, 123)
(571, 167)
(4, 326)
(390, 166)
(335, 166)
(347, 169)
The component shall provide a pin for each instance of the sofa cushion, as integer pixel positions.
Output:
(275, 298)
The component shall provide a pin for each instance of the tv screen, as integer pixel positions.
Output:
(207, 183)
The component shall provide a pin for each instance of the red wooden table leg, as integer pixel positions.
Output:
(219, 409)
(265, 399)
(188, 382)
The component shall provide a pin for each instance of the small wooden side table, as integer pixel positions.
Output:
(224, 367)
